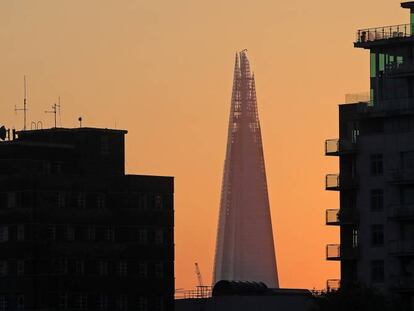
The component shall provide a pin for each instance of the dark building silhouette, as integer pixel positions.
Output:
(376, 180)
(76, 232)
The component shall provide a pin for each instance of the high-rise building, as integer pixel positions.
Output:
(76, 232)
(376, 159)
(244, 246)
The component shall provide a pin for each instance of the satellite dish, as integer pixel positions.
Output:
(3, 133)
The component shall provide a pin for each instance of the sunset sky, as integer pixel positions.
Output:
(162, 70)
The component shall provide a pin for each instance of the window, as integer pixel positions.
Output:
(79, 267)
(20, 302)
(70, 233)
(61, 199)
(122, 268)
(52, 232)
(142, 303)
(158, 201)
(159, 270)
(142, 201)
(4, 233)
(80, 200)
(377, 235)
(102, 302)
(3, 303)
(377, 271)
(377, 199)
(122, 303)
(376, 164)
(103, 267)
(142, 270)
(20, 267)
(159, 303)
(142, 236)
(63, 301)
(110, 234)
(354, 238)
(82, 302)
(11, 200)
(4, 268)
(20, 233)
(159, 237)
(100, 200)
(91, 233)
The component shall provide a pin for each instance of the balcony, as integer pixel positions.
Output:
(401, 176)
(402, 283)
(334, 253)
(336, 217)
(401, 212)
(366, 37)
(333, 285)
(335, 182)
(336, 147)
(401, 248)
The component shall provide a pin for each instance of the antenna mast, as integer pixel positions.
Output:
(24, 109)
(54, 110)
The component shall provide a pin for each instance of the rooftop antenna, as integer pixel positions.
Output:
(60, 115)
(80, 121)
(24, 109)
(54, 110)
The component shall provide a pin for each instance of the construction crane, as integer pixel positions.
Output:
(200, 279)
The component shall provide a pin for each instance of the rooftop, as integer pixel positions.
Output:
(407, 5)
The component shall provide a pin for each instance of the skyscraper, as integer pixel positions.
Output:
(244, 247)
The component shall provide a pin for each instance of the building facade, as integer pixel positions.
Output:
(244, 247)
(376, 159)
(76, 232)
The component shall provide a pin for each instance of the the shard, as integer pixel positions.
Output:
(244, 247)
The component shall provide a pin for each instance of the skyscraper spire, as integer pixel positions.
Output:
(244, 246)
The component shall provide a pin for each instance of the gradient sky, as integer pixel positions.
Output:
(163, 70)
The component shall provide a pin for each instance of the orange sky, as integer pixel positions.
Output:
(163, 70)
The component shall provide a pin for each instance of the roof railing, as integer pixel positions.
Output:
(383, 33)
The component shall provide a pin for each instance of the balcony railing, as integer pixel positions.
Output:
(401, 211)
(334, 147)
(332, 217)
(333, 252)
(335, 182)
(401, 176)
(336, 217)
(333, 285)
(402, 283)
(383, 33)
(332, 182)
(401, 248)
